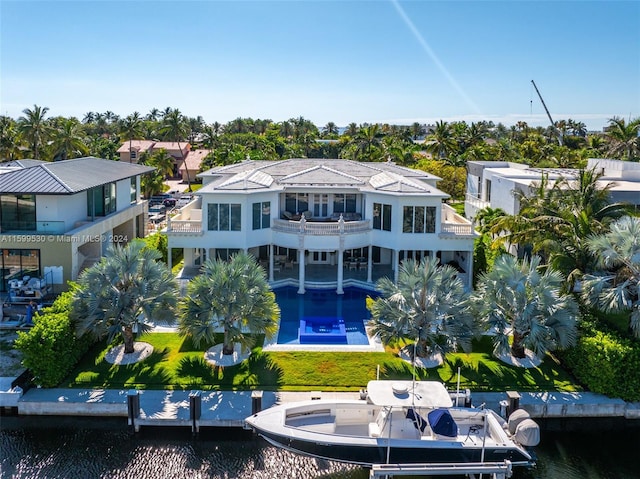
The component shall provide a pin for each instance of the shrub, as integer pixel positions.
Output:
(50, 349)
(160, 242)
(606, 363)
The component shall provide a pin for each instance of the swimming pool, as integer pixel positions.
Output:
(323, 316)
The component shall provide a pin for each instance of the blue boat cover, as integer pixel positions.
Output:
(442, 423)
(418, 421)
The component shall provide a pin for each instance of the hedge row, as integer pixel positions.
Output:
(606, 363)
(50, 349)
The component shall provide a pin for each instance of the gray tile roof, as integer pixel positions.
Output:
(67, 177)
(321, 173)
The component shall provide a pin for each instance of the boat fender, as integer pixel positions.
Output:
(528, 433)
(516, 418)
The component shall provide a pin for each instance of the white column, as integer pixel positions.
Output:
(169, 257)
(396, 265)
(339, 290)
(301, 271)
(370, 265)
(271, 262)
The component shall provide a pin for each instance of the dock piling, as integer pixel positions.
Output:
(195, 410)
(133, 408)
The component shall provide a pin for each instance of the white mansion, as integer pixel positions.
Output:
(322, 222)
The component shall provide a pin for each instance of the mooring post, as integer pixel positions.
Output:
(514, 402)
(195, 410)
(133, 408)
(256, 402)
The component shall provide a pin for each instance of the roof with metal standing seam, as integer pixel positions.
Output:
(67, 177)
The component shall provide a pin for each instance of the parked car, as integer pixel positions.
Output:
(170, 202)
(158, 199)
(184, 200)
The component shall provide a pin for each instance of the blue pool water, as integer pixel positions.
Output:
(323, 312)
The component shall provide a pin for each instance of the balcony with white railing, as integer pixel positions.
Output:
(321, 228)
(188, 221)
(476, 202)
(454, 224)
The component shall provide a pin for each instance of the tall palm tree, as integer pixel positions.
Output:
(367, 141)
(117, 295)
(131, 128)
(69, 139)
(441, 143)
(330, 129)
(516, 299)
(617, 286)
(623, 138)
(174, 128)
(234, 296)
(427, 304)
(34, 128)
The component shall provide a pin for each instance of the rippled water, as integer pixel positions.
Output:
(48, 448)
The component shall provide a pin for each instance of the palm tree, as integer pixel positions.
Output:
(131, 127)
(234, 296)
(623, 138)
(617, 287)
(556, 220)
(426, 305)
(69, 139)
(9, 139)
(34, 128)
(330, 129)
(368, 138)
(516, 299)
(441, 142)
(174, 128)
(128, 286)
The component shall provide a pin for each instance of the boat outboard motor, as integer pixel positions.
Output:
(516, 418)
(528, 433)
(524, 429)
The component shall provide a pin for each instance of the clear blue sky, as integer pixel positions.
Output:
(340, 61)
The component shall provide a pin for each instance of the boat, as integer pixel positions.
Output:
(399, 422)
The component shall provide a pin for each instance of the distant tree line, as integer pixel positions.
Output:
(439, 149)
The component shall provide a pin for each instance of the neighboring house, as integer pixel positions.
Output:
(181, 153)
(192, 163)
(57, 218)
(321, 222)
(493, 183)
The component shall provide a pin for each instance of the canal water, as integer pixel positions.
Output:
(47, 448)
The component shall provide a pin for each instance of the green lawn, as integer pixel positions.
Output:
(177, 364)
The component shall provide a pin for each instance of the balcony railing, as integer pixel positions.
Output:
(457, 229)
(41, 227)
(315, 228)
(476, 202)
(184, 226)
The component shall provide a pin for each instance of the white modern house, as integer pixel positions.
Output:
(57, 218)
(322, 222)
(494, 183)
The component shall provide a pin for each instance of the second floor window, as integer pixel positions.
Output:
(419, 219)
(101, 200)
(18, 212)
(381, 217)
(224, 217)
(261, 215)
(344, 203)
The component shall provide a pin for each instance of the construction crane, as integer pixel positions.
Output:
(553, 125)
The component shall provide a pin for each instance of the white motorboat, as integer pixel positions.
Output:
(400, 422)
